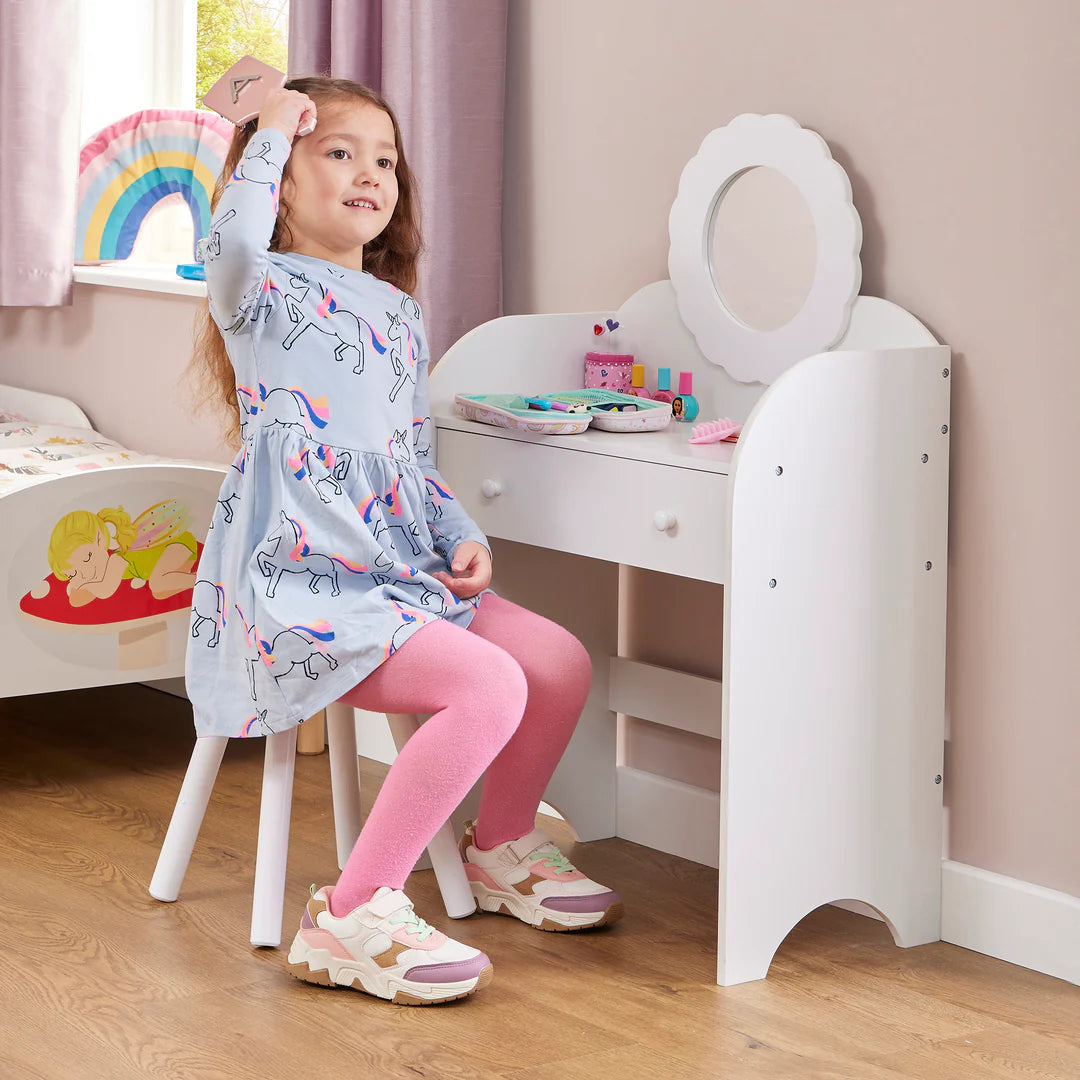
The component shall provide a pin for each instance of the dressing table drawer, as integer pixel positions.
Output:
(590, 504)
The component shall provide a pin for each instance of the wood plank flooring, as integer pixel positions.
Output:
(99, 980)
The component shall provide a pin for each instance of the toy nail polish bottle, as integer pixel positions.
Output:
(637, 382)
(663, 385)
(684, 406)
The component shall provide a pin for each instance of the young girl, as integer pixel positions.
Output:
(350, 568)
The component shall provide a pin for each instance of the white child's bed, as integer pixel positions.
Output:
(98, 551)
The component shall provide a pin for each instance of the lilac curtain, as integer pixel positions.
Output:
(40, 95)
(442, 67)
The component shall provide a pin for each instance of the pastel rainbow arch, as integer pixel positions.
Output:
(129, 167)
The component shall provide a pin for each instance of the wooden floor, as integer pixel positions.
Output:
(98, 980)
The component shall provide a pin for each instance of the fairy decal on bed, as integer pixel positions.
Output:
(155, 548)
(114, 574)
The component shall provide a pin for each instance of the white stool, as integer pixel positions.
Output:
(275, 812)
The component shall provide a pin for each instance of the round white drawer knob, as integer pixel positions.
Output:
(491, 488)
(664, 520)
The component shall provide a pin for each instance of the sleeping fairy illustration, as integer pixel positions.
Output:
(94, 553)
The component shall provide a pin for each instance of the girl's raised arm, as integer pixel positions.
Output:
(239, 242)
(237, 252)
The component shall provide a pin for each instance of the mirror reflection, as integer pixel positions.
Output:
(762, 248)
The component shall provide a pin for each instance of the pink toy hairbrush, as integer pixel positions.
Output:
(724, 430)
(239, 94)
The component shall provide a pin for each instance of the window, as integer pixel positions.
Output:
(145, 54)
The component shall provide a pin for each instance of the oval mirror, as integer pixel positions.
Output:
(763, 248)
(730, 235)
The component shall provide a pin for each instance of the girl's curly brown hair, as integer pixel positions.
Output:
(391, 256)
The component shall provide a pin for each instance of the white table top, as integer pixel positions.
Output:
(669, 446)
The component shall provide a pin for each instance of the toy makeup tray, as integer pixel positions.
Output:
(512, 411)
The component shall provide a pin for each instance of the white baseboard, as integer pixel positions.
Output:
(668, 815)
(1013, 920)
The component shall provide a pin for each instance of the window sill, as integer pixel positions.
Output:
(145, 277)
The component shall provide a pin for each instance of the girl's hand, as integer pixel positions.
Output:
(291, 112)
(471, 566)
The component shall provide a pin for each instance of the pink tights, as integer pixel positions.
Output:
(503, 695)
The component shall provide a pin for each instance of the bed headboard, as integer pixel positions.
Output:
(42, 408)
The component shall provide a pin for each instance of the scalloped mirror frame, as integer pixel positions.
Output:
(781, 143)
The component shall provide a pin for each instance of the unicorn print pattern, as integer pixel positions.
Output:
(329, 525)
(352, 332)
(208, 605)
(295, 647)
(301, 559)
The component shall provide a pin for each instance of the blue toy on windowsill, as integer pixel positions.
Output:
(195, 271)
(568, 412)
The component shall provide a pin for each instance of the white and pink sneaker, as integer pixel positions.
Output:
(531, 879)
(384, 948)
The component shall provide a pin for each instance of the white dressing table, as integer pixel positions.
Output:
(826, 525)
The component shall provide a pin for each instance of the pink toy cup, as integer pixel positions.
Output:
(608, 371)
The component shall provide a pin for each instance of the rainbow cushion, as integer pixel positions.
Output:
(129, 167)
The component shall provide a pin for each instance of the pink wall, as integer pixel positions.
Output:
(121, 355)
(956, 123)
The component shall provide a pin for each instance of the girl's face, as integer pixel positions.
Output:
(341, 187)
(88, 561)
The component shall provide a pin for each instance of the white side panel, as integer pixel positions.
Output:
(881, 324)
(834, 680)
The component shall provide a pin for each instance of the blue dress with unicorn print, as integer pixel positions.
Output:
(318, 562)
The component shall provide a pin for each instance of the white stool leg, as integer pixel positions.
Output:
(450, 874)
(187, 817)
(344, 777)
(443, 850)
(270, 859)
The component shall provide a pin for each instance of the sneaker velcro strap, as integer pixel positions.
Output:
(526, 845)
(388, 903)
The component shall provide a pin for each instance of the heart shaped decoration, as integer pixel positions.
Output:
(612, 325)
(597, 329)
